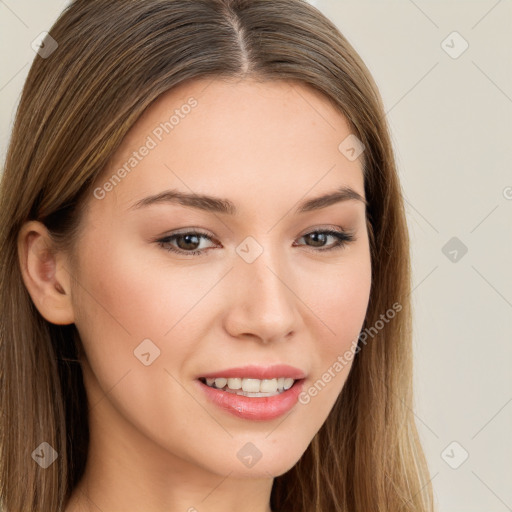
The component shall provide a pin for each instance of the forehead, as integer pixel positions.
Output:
(239, 139)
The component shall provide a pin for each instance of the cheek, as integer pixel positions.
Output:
(344, 302)
(124, 300)
(118, 304)
(342, 311)
(127, 295)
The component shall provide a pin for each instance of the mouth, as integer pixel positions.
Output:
(252, 392)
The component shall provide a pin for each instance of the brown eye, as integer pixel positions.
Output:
(189, 242)
(185, 243)
(319, 238)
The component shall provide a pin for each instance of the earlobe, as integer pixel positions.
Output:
(44, 274)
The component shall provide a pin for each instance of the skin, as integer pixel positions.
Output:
(157, 443)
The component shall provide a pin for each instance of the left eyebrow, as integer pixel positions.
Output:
(225, 206)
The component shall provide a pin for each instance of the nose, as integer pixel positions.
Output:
(263, 304)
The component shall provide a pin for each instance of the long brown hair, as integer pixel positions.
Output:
(114, 58)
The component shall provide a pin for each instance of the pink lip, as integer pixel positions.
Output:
(258, 372)
(256, 408)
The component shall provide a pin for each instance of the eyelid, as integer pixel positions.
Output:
(326, 227)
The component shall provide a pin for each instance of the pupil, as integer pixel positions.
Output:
(187, 238)
(316, 236)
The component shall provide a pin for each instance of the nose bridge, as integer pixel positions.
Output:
(264, 304)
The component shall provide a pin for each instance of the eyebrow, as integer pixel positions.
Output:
(225, 206)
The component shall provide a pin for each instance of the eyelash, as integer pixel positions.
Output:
(343, 239)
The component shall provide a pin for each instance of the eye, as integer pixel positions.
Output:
(187, 242)
(342, 238)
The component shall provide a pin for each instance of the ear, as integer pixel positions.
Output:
(45, 274)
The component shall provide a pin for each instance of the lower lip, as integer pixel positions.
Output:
(257, 408)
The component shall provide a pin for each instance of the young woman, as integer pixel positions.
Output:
(205, 270)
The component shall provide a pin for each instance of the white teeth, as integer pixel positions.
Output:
(288, 383)
(235, 383)
(252, 387)
(221, 382)
(268, 386)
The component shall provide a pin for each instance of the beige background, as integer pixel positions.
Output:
(451, 125)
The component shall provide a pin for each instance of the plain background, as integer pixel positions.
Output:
(450, 120)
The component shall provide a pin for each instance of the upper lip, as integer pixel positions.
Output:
(258, 372)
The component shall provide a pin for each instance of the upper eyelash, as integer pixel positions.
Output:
(343, 238)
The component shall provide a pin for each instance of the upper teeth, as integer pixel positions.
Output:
(252, 385)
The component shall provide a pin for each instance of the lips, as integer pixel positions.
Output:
(257, 372)
(253, 408)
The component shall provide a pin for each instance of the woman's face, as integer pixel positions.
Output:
(268, 287)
